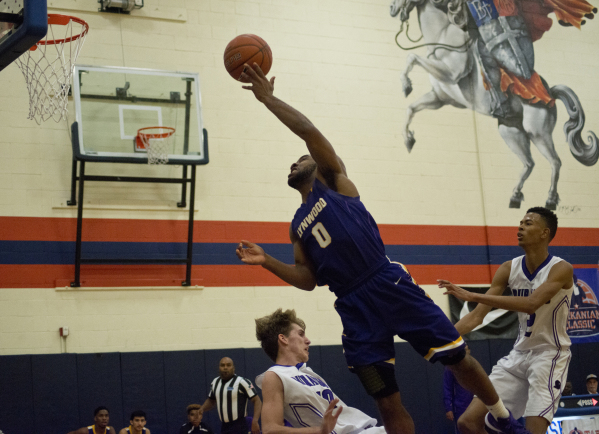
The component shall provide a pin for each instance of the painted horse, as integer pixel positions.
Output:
(458, 78)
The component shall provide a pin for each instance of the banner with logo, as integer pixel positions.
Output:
(583, 321)
(498, 324)
(584, 425)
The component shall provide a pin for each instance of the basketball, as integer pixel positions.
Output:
(247, 49)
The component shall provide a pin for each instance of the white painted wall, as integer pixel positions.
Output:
(337, 62)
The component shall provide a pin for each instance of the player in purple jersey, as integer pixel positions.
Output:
(336, 242)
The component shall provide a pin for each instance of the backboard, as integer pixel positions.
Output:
(113, 103)
(22, 24)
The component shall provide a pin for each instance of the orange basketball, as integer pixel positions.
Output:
(247, 49)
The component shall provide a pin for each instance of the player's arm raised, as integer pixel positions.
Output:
(330, 166)
(560, 276)
(475, 318)
(301, 274)
(272, 410)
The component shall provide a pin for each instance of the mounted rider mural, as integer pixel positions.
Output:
(481, 57)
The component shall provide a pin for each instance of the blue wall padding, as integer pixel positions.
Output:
(345, 384)
(55, 403)
(435, 405)
(315, 361)
(499, 348)
(480, 350)
(62, 390)
(16, 394)
(256, 362)
(411, 376)
(99, 383)
(185, 383)
(143, 383)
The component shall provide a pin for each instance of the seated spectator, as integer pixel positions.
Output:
(100, 426)
(568, 389)
(591, 384)
(138, 424)
(195, 424)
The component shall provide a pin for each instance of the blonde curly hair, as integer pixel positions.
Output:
(269, 327)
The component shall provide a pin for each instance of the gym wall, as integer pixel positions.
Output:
(443, 207)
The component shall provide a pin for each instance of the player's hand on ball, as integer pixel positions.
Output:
(330, 417)
(250, 253)
(261, 86)
(454, 290)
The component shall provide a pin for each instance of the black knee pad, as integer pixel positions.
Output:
(378, 380)
(453, 359)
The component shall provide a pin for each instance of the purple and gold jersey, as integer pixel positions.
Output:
(377, 299)
(340, 237)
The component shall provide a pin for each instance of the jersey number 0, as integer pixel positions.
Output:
(321, 235)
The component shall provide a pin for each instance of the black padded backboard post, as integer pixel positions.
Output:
(22, 24)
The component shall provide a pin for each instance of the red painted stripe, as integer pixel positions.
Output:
(50, 276)
(506, 236)
(433, 235)
(128, 230)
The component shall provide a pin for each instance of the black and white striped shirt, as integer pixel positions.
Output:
(231, 397)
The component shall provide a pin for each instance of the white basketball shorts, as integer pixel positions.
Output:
(530, 383)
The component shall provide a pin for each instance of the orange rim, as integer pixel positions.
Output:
(155, 135)
(63, 20)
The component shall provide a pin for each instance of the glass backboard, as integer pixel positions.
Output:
(113, 103)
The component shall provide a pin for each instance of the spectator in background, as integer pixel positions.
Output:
(195, 424)
(100, 426)
(230, 394)
(592, 384)
(455, 397)
(568, 389)
(137, 424)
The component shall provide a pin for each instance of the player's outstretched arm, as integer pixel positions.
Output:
(272, 411)
(301, 275)
(560, 276)
(329, 164)
(475, 318)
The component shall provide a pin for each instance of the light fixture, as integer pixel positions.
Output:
(120, 6)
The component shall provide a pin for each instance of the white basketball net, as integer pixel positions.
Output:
(157, 151)
(158, 142)
(49, 67)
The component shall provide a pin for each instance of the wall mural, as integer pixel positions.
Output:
(481, 57)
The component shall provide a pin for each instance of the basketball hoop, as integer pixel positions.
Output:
(48, 66)
(156, 141)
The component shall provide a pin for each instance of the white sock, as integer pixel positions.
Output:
(498, 410)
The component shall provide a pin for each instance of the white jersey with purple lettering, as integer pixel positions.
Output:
(530, 379)
(307, 397)
(546, 328)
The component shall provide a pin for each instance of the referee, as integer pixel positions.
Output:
(230, 394)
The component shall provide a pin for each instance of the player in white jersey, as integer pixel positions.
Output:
(531, 378)
(294, 393)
